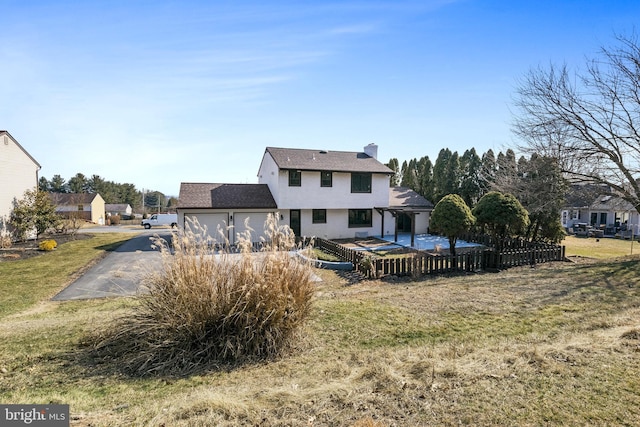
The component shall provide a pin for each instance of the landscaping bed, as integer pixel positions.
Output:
(29, 248)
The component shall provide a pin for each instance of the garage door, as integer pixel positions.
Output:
(256, 221)
(212, 221)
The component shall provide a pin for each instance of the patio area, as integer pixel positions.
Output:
(422, 242)
(426, 242)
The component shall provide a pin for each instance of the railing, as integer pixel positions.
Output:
(429, 264)
(342, 252)
(419, 264)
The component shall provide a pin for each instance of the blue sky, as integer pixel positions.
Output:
(156, 93)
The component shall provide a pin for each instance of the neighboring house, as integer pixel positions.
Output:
(329, 194)
(122, 209)
(18, 173)
(90, 207)
(595, 207)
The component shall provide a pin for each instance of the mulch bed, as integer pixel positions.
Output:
(29, 249)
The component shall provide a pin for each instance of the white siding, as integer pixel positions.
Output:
(268, 174)
(310, 195)
(18, 173)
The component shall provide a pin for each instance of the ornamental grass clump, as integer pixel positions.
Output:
(209, 307)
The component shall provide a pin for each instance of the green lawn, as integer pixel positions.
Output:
(26, 282)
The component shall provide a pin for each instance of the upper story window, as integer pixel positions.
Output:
(360, 182)
(295, 178)
(326, 179)
(80, 207)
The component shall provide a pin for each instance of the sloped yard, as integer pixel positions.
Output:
(558, 344)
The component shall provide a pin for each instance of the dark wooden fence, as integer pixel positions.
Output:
(514, 253)
(342, 252)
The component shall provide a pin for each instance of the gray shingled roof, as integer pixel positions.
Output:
(608, 202)
(116, 207)
(584, 195)
(225, 196)
(63, 199)
(321, 160)
(404, 197)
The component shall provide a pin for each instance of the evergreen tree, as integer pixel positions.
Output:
(488, 172)
(446, 174)
(395, 178)
(78, 184)
(43, 184)
(440, 185)
(452, 217)
(410, 175)
(471, 188)
(501, 215)
(58, 184)
(425, 178)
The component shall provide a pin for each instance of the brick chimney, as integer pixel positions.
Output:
(371, 150)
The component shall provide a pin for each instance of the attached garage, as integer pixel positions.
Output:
(215, 205)
(256, 222)
(212, 221)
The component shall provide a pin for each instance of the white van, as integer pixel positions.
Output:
(160, 219)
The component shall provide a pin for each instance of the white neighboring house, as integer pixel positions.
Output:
(122, 209)
(329, 194)
(18, 173)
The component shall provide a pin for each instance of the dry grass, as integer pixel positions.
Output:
(208, 307)
(558, 344)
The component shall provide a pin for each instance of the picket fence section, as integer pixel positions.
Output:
(516, 254)
(342, 252)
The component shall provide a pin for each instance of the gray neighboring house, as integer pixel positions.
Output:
(18, 173)
(122, 209)
(595, 206)
(226, 205)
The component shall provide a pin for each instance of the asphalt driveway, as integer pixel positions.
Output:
(120, 272)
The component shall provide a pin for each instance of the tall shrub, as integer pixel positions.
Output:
(208, 306)
(501, 215)
(35, 212)
(452, 217)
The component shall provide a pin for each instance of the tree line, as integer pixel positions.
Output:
(536, 182)
(112, 192)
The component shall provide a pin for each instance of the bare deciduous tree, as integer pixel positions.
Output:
(589, 120)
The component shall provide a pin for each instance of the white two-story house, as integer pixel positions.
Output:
(318, 193)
